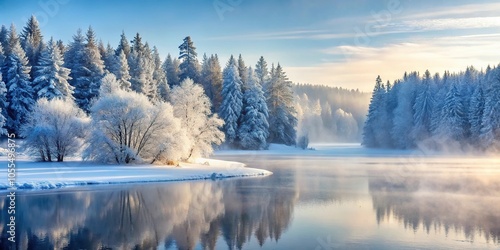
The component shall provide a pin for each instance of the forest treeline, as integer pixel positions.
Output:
(453, 111)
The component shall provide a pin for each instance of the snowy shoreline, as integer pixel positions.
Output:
(32, 175)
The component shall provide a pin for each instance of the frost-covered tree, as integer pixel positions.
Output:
(192, 107)
(128, 128)
(55, 129)
(232, 100)
(282, 113)
(189, 67)
(254, 128)
(109, 84)
(171, 68)
(32, 41)
(51, 77)
(20, 94)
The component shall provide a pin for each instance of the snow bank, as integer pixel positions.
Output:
(49, 175)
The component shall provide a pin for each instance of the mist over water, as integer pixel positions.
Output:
(333, 197)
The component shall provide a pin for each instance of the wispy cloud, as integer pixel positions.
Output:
(361, 65)
(445, 24)
(277, 35)
(466, 10)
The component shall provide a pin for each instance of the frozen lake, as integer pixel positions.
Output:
(335, 197)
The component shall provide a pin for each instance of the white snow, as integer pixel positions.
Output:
(49, 175)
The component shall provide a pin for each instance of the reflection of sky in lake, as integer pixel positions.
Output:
(315, 202)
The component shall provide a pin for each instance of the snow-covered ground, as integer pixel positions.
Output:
(48, 175)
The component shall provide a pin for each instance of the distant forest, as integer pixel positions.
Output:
(455, 111)
(330, 114)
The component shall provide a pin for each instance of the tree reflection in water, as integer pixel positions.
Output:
(463, 202)
(148, 216)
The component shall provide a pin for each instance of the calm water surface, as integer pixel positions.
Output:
(331, 198)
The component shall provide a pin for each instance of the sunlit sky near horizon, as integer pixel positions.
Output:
(332, 42)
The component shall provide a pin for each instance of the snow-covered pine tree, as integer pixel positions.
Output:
(19, 90)
(51, 77)
(102, 52)
(261, 72)
(147, 65)
(232, 100)
(134, 58)
(423, 108)
(443, 86)
(189, 67)
(211, 76)
(205, 76)
(61, 47)
(490, 132)
(171, 68)
(32, 42)
(123, 46)
(141, 68)
(476, 111)
(216, 81)
(254, 128)
(403, 113)
(468, 83)
(242, 71)
(94, 64)
(87, 68)
(391, 104)
(375, 131)
(122, 74)
(454, 115)
(280, 102)
(159, 77)
(4, 38)
(74, 60)
(109, 59)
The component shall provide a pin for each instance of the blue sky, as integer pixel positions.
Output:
(332, 42)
